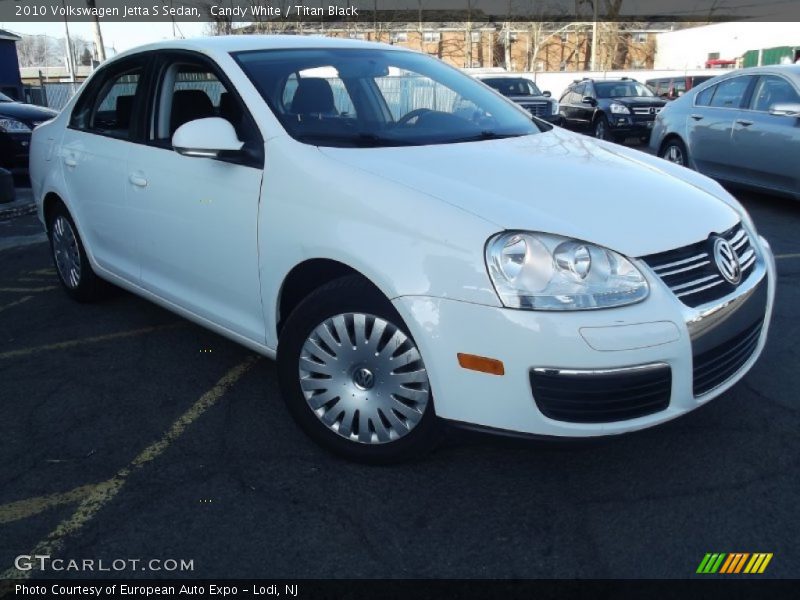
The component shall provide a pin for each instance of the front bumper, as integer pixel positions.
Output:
(631, 125)
(659, 331)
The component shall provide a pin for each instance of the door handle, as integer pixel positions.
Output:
(697, 117)
(744, 122)
(138, 180)
(70, 162)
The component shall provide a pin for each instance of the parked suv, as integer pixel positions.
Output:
(670, 88)
(524, 92)
(611, 109)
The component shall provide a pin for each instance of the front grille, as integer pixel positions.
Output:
(537, 109)
(714, 367)
(690, 272)
(646, 110)
(601, 396)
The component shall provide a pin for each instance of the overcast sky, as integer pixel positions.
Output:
(119, 36)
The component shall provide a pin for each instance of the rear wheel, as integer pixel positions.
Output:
(69, 256)
(674, 151)
(353, 377)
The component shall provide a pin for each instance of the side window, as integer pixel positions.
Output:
(107, 107)
(730, 92)
(704, 97)
(771, 90)
(566, 96)
(190, 91)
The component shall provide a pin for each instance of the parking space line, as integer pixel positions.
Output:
(15, 303)
(89, 340)
(22, 509)
(104, 492)
(47, 271)
(780, 256)
(28, 290)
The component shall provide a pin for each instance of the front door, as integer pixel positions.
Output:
(199, 248)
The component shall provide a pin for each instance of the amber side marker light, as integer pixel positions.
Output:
(481, 363)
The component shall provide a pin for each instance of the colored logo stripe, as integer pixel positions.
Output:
(733, 563)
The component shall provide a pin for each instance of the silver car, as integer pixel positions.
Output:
(742, 127)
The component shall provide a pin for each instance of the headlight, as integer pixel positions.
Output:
(13, 126)
(554, 108)
(619, 109)
(541, 271)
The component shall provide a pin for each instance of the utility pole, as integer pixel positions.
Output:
(98, 35)
(68, 41)
(594, 34)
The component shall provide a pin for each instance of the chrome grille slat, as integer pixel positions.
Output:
(705, 287)
(691, 272)
(694, 282)
(680, 262)
(683, 270)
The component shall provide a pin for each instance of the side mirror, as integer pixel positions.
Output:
(546, 93)
(589, 100)
(785, 109)
(206, 138)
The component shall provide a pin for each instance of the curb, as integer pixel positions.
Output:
(17, 211)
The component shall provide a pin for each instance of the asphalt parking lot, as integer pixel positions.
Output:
(129, 433)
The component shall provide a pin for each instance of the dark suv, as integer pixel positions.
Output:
(524, 92)
(17, 120)
(611, 109)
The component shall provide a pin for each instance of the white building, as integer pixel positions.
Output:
(691, 48)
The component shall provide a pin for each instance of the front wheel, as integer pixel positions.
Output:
(353, 377)
(602, 131)
(675, 152)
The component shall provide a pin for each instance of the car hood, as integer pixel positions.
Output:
(558, 182)
(523, 99)
(25, 112)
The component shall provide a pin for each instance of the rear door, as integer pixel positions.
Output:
(200, 246)
(103, 127)
(766, 147)
(710, 125)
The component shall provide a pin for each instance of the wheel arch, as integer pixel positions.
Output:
(50, 202)
(307, 276)
(668, 138)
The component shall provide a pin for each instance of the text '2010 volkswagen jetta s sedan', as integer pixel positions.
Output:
(411, 246)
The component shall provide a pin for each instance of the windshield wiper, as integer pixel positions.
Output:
(484, 135)
(359, 140)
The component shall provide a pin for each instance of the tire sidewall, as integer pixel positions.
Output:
(680, 146)
(343, 296)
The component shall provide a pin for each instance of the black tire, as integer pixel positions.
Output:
(674, 151)
(350, 294)
(81, 284)
(601, 129)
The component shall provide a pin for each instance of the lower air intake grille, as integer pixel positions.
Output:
(714, 367)
(602, 396)
(691, 273)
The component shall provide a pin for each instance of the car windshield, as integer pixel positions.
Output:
(509, 86)
(4, 98)
(621, 89)
(375, 97)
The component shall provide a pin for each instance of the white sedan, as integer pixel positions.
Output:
(411, 246)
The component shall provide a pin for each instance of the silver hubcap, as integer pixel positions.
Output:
(674, 154)
(364, 378)
(66, 253)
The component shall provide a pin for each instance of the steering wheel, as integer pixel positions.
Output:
(417, 112)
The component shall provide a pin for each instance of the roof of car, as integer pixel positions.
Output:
(238, 43)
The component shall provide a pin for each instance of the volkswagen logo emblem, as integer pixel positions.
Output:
(727, 261)
(364, 379)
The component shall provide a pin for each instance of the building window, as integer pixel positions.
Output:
(713, 56)
(640, 38)
(400, 36)
(431, 36)
(475, 36)
(354, 35)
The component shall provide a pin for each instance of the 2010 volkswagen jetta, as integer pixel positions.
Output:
(411, 246)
